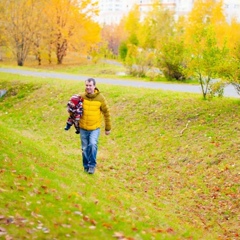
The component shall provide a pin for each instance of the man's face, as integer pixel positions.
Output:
(89, 87)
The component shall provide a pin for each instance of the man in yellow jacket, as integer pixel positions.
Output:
(94, 107)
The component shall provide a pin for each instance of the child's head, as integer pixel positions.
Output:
(75, 99)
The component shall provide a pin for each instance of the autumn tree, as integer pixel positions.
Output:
(131, 24)
(159, 33)
(123, 50)
(230, 68)
(2, 37)
(205, 61)
(70, 25)
(206, 52)
(54, 26)
(206, 13)
(22, 22)
(171, 59)
(157, 27)
(128, 32)
(136, 59)
(113, 35)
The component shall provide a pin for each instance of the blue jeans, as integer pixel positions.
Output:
(89, 141)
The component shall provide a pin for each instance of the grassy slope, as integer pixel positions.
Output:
(169, 170)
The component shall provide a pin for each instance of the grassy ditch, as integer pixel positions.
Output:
(169, 169)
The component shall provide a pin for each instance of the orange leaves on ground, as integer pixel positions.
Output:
(17, 220)
(118, 235)
(107, 225)
(160, 230)
(3, 231)
(20, 188)
(121, 236)
(91, 221)
(35, 215)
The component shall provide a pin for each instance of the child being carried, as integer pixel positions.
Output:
(75, 110)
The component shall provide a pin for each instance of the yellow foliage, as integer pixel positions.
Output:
(132, 20)
(70, 25)
(205, 14)
(233, 33)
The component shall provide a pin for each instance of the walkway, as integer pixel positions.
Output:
(229, 91)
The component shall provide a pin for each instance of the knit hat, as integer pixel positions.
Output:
(75, 99)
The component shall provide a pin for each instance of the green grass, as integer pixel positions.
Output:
(169, 169)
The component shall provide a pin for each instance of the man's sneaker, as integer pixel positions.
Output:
(91, 170)
(86, 170)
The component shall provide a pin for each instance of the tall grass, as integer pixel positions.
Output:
(169, 169)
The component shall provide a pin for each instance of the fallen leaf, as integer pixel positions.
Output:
(10, 220)
(107, 225)
(8, 237)
(93, 222)
(66, 225)
(2, 190)
(78, 213)
(35, 215)
(45, 230)
(170, 230)
(92, 227)
(118, 235)
(2, 231)
(86, 218)
(20, 188)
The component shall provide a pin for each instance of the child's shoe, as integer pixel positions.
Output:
(67, 127)
(77, 131)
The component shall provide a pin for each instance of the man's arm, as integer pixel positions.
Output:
(107, 118)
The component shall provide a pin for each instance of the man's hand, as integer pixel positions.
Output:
(107, 132)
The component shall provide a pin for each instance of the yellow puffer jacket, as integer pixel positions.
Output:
(94, 105)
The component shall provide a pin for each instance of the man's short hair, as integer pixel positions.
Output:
(92, 80)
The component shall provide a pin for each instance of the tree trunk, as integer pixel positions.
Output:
(39, 58)
(61, 51)
(20, 60)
